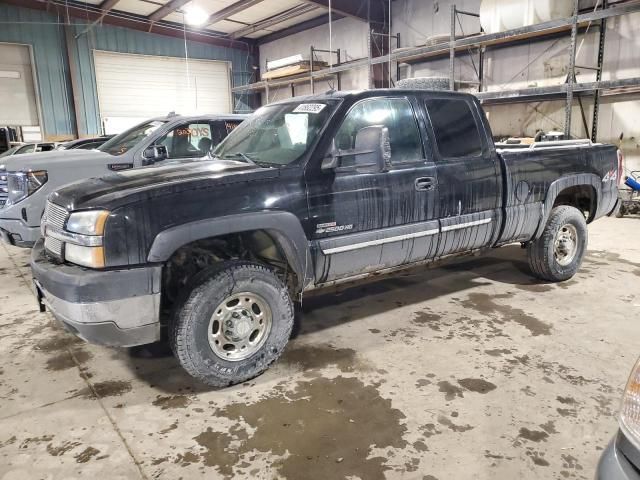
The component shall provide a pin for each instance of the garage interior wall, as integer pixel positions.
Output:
(532, 64)
(349, 35)
(39, 29)
(45, 33)
(537, 64)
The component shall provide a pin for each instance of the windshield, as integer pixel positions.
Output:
(277, 134)
(130, 138)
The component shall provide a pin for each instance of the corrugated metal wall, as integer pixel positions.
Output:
(45, 33)
(40, 30)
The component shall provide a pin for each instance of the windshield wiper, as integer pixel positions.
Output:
(239, 155)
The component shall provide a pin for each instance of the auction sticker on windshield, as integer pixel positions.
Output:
(309, 108)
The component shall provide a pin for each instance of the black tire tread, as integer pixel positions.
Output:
(179, 326)
(540, 262)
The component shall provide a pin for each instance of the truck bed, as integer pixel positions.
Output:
(535, 173)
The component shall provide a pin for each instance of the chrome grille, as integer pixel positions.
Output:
(54, 215)
(4, 190)
(53, 245)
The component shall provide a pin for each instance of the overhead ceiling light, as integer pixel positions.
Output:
(195, 15)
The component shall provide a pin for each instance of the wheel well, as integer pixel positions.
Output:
(582, 197)
(190, 259)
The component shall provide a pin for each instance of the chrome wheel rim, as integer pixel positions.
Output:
(239, 326)
(565, 245)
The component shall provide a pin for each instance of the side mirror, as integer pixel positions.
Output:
(373, 149)
(372, 152)
(155, 153)
(332, 160)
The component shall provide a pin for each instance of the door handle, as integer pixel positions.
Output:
(424, 183)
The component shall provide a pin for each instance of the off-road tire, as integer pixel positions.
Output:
(188, 329)
(540, 252)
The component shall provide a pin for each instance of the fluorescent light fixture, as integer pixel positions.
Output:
(194, 15)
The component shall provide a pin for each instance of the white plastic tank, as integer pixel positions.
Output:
(499, 15)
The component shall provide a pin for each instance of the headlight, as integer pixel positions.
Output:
(82, 237)
(88, 223)
(630, 408)
(92, 257)
(22, 184)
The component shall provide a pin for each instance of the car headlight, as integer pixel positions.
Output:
(630, 408)
(82, 237)
(88, 223)
(85, 247)
(22, 184)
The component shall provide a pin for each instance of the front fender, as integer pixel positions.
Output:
(284, 227)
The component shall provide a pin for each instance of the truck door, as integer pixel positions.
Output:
(362, 220)
(469, 179)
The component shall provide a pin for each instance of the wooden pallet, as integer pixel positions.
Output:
(296, 69)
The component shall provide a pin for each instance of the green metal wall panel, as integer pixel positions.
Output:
(43, 32)
(46, 33)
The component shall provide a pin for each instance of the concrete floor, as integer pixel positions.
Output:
(470, 371)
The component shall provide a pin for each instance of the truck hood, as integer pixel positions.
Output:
(57, 159)
(112, 191)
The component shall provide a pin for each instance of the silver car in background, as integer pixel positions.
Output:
(27, 180)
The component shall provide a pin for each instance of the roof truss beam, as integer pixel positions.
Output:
(300, 27)
(167, 9)
(365, 11)
(230, 11)
(274, 20)
(106, 7)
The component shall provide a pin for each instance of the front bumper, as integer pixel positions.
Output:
(614, 463)
(21, 221)
(119, 308)
(16, 232)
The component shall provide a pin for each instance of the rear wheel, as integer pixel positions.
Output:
(557, 255)
(235, 321)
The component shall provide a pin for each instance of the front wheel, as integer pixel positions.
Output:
(235, 322)
(557, 255)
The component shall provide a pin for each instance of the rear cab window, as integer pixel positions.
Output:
(455, 128)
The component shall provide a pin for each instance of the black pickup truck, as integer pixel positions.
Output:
(304, 194)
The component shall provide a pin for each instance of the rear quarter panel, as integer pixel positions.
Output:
(534, 178)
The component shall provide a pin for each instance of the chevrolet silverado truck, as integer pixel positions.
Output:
(27, 180)
(306, 193)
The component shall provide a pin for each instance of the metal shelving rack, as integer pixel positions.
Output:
(292, 80)
(478, 43)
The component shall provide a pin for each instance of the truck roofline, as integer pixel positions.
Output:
(214, 116)
(374, 92)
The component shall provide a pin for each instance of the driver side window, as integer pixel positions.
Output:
(394, 113)
(192, 140)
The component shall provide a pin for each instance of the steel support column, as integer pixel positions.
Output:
(596, 95)
(572, 71)
(452, 50)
